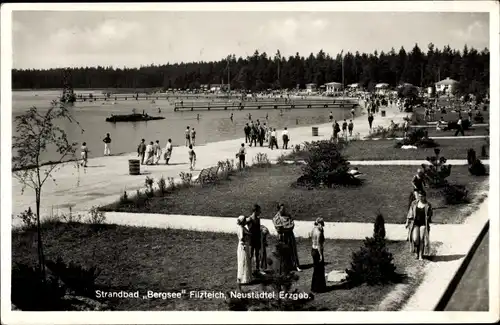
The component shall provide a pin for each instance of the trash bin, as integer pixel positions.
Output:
(315, 131)
(383, 113)
(134, 167)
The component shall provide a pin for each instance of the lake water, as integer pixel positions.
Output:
(212, 126)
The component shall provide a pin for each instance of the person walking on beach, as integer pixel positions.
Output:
(255, 236)
(285, 137)
(336, 129)
(193, 137)
(247, 129)
(141, 150)
(84, 154)
(192, 158)
(242, 152)
(168, 151)
(370, 120)
(344, 128)
(350, 127)
(262, 135)
(318, 283)
(353, 113)
(150, 153)
(187, 135)
(107, 142)
(231, 117)
(157, 151)
(273, 141)
(254, 132)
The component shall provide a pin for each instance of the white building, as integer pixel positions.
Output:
(310, 88)
(381, 88)
(446, 86)
(333, 87)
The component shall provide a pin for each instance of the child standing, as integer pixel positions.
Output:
(192, 158)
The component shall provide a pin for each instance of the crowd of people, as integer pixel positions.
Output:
(253, 244)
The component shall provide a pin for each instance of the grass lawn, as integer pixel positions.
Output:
(167, 260)
(385, 150)
(386, 189)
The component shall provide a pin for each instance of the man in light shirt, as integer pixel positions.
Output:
(274, 140)
(149, 153)
(284, 136)
(157, 152)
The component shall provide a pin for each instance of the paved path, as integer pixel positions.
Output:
(433, 125)
(449, 256)
(333, 230)
(453, 162)
(107, 177)
(442, 138)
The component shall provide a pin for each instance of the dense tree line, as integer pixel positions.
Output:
(260, 71)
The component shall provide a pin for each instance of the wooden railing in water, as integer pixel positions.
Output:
(249, 105)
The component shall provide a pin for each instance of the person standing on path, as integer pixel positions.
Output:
(84, 154)
(192, 158)
(141, 150)
(370, 120)
(255, 236)
(247, 129)
(331, 116)
(187, 135)
(150, 153)
(460, 128)
(157, 151)
(244, 273)
(318, 282)
(193, 137)
(285, 137)
(262, 134)
(350, 127)
(168, 151)
(242, 152)
(418, 223)
(107, 142)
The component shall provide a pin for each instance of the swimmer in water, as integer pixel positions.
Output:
(267, 116)
(159, 110)
(249, 116)
(198, 117)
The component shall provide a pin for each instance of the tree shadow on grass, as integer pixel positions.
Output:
(445, 258)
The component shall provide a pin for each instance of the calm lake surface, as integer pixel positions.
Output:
(213, 125)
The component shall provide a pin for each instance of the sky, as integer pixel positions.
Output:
(51, 39)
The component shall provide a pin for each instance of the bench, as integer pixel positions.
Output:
(208, 175)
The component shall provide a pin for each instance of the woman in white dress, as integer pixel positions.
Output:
(244, 258)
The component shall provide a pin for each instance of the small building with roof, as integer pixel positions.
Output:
(446, 85)
(311, 87)
(333, 87)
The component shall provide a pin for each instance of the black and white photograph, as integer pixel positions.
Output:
(230, 157)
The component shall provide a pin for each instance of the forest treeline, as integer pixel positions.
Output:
(261, 71)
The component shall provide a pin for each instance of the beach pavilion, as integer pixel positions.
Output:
(382, 88)
(332, 87)
(446, 85)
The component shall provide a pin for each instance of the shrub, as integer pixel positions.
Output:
(437, 171)
(477, 168)
(96, 217)
(70, 217)
(162, 186)
(419, 138)
(186, 179)
(149, 186)
(455, 194)
(230, 166)
(261, 160)
(471, 156)
(479, 118)
(124, 200)
(78, 279)
(383, 133)
(281, 159)
(31, 292)
(28, 218)
(326, 165)
(141, 200)
(171, 183)
(484, 151)
(373, 263)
